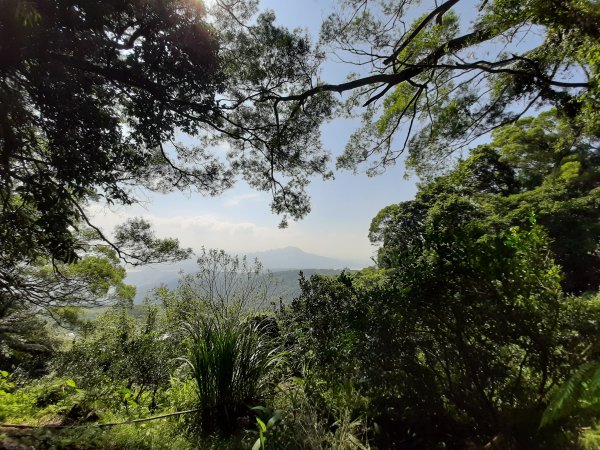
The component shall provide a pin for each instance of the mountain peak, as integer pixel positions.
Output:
(295, 258)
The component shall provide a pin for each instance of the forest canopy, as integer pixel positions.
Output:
(93, 97)
(477, 326)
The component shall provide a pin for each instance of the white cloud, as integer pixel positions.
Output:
(235, 201)
(204, 223)
(213, 231)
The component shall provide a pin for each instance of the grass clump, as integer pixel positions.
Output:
(230, 361)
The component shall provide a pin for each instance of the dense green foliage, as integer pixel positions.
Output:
(230, 363)
(232, 76)
(425, 81)
(128, 357)
(470, 330)
(443, 360)
(89, 94)
(470, 324)
(479, 325)
(55, 292)
(538, 166)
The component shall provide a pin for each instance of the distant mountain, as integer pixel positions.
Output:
(295, 258)
(285, 263)
(148, 278)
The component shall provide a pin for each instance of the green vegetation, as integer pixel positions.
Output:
(479, 325)
(478, 328)
(229, 362)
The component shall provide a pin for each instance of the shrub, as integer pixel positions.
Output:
(230, 362)
(126, 361)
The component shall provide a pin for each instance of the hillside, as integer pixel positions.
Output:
(284, 263)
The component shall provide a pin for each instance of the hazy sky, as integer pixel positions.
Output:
(241, 221)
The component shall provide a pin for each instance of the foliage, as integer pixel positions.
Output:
(581, 386)
(309, 418)
(53, 400)
(493, 330)
(459, 254)
(256, 86)
(425, 80)
(42, 400)
(578, 395)
(85, 113)
(48, 292)
(38, 293)
(470, 332)
(26, 343)
(224, 287)
(121, 361)
(230, 349)
(535, 166)
(275, 146)
(230, 362)
(480, 307)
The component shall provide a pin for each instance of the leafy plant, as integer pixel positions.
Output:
(583, 385)
(122, 360)
(46, 399)
(266, 421)
(230, 362)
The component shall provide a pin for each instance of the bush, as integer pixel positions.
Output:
(45, 400)
(126, 361)
(463, 344)
(230, 362)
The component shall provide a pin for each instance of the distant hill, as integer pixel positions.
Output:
(289, 287)
(287, 281)
(285, 263)
(294, 258)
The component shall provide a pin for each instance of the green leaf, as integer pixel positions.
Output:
(259, 409)
(261, 424)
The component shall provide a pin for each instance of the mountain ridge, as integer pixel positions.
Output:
(282, 260)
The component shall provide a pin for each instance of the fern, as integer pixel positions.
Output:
(583, 386)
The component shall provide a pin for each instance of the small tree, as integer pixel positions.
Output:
(224, 287)
(229, 353)
(121, 358)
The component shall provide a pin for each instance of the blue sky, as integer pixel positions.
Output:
(241, 221)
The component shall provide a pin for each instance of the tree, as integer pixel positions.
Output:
(479, 291)
(40, 292)
(122, 359)
(427, 87)
(92, 97)
(44, 291)
(224, 287)
(464, 336)
(94, 277)
(89, 95)
(575, 396)
(536, 165)
(466, 329)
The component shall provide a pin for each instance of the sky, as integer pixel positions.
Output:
(240, 220)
